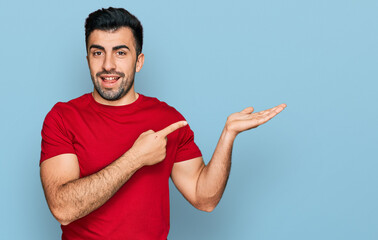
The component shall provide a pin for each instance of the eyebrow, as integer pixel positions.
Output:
(114, 48)
(120, 46)
(97, 46)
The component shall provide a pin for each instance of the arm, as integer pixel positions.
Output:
(70, 197)
(203, 185)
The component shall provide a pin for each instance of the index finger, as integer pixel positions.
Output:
(276, 109)
(171, 128)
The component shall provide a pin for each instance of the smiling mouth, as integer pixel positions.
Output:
(110, 79)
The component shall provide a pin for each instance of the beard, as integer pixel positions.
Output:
(113, 94)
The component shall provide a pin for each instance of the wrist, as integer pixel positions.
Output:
(131, 158)
(228, 135)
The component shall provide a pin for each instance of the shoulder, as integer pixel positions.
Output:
(73, 105)
(161, 108)
(67, 109)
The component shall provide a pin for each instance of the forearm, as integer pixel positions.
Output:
(70, 197)
(79, 197)
(213, 178)
(203, 186)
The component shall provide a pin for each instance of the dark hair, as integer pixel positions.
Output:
(111, 19)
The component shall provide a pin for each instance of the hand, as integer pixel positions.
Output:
(150, 147)
(246, 119)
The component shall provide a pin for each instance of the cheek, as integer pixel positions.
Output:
(92, 71)
(94, 65)
(126, 65)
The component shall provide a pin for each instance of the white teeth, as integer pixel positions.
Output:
(110, 78)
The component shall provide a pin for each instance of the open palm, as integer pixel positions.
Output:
(247, 119)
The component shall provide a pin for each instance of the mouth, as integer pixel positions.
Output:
(109, 81)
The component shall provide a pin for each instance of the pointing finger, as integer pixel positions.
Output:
(171, 128)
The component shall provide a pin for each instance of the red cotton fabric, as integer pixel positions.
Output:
(99, 134)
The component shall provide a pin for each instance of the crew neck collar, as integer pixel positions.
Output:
(129, 106)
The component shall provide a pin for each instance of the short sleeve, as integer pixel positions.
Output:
(55, 140)
(187, 148)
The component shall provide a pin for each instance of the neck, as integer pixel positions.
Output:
(129, 98)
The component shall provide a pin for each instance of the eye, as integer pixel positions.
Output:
(121, 53)
(97, 53)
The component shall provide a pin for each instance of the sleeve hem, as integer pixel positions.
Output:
(189, 157)
(45, 157)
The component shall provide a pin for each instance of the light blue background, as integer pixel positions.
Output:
(310, 173)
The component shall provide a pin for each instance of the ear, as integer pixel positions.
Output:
(139, 62)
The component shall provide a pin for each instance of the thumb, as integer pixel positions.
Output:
(247, 110)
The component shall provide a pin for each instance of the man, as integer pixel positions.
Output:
(107, 156)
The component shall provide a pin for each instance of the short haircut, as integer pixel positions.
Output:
(111, 19)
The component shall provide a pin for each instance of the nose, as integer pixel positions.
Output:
(109, 63)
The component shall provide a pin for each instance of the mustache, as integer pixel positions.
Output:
(121, 74)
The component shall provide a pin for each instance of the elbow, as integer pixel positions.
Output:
(208, 207)
(61, 216)
(206, 204)
(63, 222)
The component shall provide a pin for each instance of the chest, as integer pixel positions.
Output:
(99, 139)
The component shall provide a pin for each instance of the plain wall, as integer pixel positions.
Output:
(310, 173)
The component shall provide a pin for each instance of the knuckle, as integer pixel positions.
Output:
(147, 132)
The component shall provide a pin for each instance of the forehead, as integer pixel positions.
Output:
(106, 38)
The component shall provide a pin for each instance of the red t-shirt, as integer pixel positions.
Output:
(99, 134)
